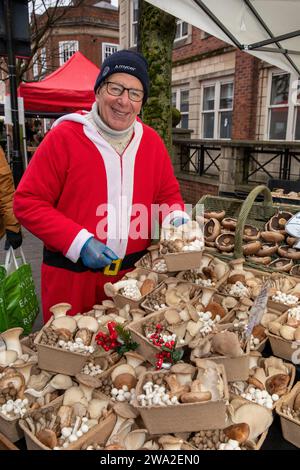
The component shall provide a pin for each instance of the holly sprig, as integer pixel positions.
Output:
(168, 354)
(117, 339)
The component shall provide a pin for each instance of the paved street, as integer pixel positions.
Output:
(32, 248)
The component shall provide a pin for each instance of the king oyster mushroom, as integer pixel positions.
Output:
(8, 357)
(184, 372)
(87, 383)
(11, 338)
(124, 374)
(65, 322)
(60, 310)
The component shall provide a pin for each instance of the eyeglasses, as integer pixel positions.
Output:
(115, 89)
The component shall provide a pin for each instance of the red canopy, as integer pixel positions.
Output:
(68, 89)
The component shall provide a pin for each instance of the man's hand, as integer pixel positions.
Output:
(13, 239)
(96, 255)
(179, 221)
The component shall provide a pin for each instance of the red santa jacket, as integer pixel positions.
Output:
(77, 185)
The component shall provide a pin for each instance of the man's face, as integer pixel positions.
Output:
(119, 112)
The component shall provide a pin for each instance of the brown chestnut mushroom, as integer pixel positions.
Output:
(272, 237)
(225, 241)
(286, 251)
(251, 248)
(229, 223)
(282, 264)
(267, 249)
(278, 221)
(250, 233)
(211, 230)
(219, 215)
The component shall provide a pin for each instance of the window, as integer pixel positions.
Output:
(278, 109)
(283, 121)
(39, 63)
(217, 105)
(108, 49)
(43, 61)
(181, 30)
(66, 50)
(180, 100)
(134, 22)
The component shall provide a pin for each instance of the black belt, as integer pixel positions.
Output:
(58, 260)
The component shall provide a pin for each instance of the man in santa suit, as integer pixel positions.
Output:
(92, 178)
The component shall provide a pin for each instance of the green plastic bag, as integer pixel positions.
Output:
(18, 301)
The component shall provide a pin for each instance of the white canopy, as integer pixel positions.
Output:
(268, 29)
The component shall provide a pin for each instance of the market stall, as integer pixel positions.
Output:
(196, 349)
(67, 89)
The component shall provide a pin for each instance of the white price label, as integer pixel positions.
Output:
(257, 309)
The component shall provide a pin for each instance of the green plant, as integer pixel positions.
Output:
(176, 117)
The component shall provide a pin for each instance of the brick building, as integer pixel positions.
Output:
(91, 27)
(224, 96)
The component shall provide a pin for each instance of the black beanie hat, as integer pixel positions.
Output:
(125, 61)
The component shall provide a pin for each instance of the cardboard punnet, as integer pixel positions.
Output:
(6, 444)
(102, 430)
(279, 307)
(183, 261)
(290, 426)
(195, 290)
(185, 417)
(120, 300)
(58, 360)
(282, 347)
(237, 368)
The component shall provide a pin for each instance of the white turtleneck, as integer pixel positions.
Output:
(117, 139)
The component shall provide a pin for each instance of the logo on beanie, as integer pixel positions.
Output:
(105, 71)
(125, 67)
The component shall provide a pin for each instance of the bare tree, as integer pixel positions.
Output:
(44, 16)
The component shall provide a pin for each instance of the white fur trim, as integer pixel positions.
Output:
(120, 181)
(74, 250)
(173, 215)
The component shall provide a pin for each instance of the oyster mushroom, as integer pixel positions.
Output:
(74, 395)
(137, 314)
(225, 241)
(88, 322)
(39, 381)
(11, 338)
(226, 343)
(282, 264)
(25, 369)
(216, 309)
(124, 412)
(210, 378)
(259, 418)
(170, 443)
(87, 383)
(47, 437)
(96, 407)
(212, 229)
(60, 310)
(184, 372)
(135, 439)
(58, 382)
(134, 359)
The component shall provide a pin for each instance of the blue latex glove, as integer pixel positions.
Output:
(96, 255)
(179, 221)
